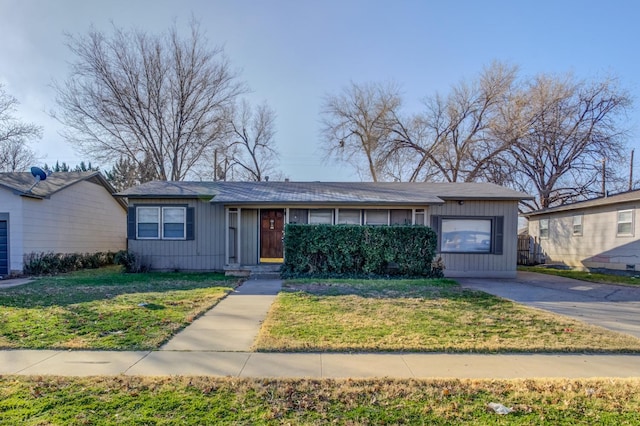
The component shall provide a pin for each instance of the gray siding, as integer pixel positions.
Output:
(249, 237)
(481, 264)
(207, 251)
(204, 253)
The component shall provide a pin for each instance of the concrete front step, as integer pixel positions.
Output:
(264, 276)
(266, 271)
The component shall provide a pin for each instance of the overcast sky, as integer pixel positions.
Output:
(293, 52)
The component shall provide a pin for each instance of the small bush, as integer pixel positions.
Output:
(129, 262)
(57, 263)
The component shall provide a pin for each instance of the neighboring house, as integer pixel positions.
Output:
(597, 233)
(234, 225)
(72, 212)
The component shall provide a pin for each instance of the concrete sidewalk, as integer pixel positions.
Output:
(315, 365)
(14, 282)
(219, 344)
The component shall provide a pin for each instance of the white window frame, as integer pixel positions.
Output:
(623, 222)
(366, 217)
(544, 235)
(160, 224)
(416, 214)
(184, 222)
(159, 213)
(578, 228)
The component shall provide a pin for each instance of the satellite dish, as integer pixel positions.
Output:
(38, 175)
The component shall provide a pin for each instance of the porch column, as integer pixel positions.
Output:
(226, 235)
(238, 232)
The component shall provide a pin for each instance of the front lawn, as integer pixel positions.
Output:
(420, 315)
(105, 309)
(206, 400)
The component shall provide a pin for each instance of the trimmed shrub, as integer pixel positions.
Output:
(353, 250)
(129, 262)
(57, 263)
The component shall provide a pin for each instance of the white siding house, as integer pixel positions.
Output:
(601, 233)
(66, 213)
(234, 225)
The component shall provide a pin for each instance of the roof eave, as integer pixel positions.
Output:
(326, 203)
(171, 196)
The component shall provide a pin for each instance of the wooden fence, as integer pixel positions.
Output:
(529, 252)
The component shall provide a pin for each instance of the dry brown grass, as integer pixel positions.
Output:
(206, 400)
(317, 317)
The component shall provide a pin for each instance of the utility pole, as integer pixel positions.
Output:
(604, 178)
(631, 171)
(215, 165)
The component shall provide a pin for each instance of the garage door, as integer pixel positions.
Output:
(4, 248)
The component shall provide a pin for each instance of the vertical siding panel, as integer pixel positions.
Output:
(204, 253)
(249, 243)
(470, 264)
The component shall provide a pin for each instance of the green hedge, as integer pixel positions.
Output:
(58, 263)
(353, 250)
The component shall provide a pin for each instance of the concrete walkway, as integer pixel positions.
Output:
(219, 342)
(233, 324)
(14, 282)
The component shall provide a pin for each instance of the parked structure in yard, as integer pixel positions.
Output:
(594, 234)
(72, 212)
(236, 225)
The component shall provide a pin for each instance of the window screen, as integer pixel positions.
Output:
(148, 222)
(349, 217)
(321, 217)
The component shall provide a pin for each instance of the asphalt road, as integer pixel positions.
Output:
(615, 307)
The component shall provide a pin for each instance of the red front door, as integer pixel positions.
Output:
(271, 231)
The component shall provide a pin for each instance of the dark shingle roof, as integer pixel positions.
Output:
(324, 192)
(594, 202)
(21, 183)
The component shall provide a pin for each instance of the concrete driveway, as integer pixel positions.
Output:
(614, 307)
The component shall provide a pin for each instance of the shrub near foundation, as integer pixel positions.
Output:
(59, 263)
(353, 250)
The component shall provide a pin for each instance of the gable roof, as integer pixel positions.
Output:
(372, 193)
(22, 183)
(622, 197)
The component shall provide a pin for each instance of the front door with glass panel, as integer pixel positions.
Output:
(271, 232)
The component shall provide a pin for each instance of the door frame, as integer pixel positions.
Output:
(262, 259)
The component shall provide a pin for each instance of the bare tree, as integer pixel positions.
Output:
(357, 124)
(15, 135)
(249, 152)
(141, 97)
(560, 131)
(452, 139)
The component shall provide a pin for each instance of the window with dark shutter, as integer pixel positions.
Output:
(468, 234)
(191, 223)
